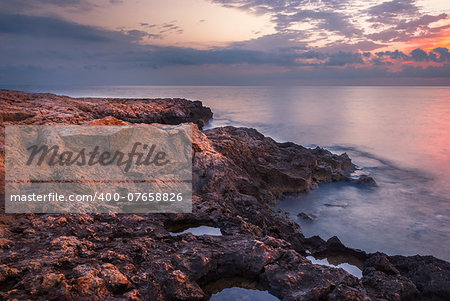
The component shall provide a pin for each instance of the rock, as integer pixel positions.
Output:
(7, 273)
(310, 282)
(390, 288)
(268, 168)
(366, 180)
(406, 277)
(305, 216)
(36, 108)
(381, 263)
(91, 287)
(133, 295)
(50, 280)
(237, 172)
(84, 270)
(5, 243)
(61, 221)
(430, 275)
(383, 281)
(108, 120)
(333, 247)
(114, 279)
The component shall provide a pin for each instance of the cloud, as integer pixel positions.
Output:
(339, 58)
(323, 15)
(401, 20)
(52, 50)
(269, 6)
(419, 55)
(273, 42)
(166, 56)
(328, 20)
(50, 28)
(444, 55)
(420, 23)
(351, 47)
(389, 35)
(387, 12)
(336, 23)
(56, 28)
(395, 55)
(437, 55)
(139, 34)
(23, 6)
(344, 58)
(159, 31)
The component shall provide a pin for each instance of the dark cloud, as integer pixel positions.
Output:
(286, 57)
(379, 62)
(270, 6)
(47, 27)
(313, 55)
(351, 47)
(444, 55)
(419, 55)
(420, 23)
(21, 6)
(148, 25)
(328, 20)
(166, 56)
(159, 31)
(395, 55)
(273, 41)
(344, 58)
(438, 55)
(389, 35)
(139, 34)
(169, 28)
(388, 11)
(52, 27)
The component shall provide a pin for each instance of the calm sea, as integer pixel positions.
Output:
(398, 135)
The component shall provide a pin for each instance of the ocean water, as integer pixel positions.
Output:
(398, 135)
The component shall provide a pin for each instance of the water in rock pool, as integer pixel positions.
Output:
(237, 289)
(331, 262)
(398, 135)
(200, 230)
(243, 294)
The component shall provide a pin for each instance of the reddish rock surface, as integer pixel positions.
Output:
(36, 108)
(237, 172)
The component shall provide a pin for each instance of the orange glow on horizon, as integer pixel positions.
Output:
(441, 39)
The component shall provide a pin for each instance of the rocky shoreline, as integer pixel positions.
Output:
(237, 174)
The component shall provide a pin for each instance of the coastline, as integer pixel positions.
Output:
(93, 255)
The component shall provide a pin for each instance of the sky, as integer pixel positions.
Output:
(224, 42)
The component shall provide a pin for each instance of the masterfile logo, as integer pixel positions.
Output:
(137, 168)
(54, 156)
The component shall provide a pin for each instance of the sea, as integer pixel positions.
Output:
(399, 135)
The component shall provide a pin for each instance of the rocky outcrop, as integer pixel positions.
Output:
(237, 172)
(366, 180)
(37, 108)
(272, 168)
